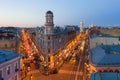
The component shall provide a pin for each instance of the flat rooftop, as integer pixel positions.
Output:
(102, 35)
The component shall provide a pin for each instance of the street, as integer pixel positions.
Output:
(69, 61)
(72, 69)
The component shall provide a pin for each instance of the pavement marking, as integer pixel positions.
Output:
(77, 71)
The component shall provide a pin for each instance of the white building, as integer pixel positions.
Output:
(81, 26)
(50, 39)
(105, 58)
(104, 62)
(9, 39)
(96, 40)
(9, 65)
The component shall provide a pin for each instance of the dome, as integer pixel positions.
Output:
(49, 12)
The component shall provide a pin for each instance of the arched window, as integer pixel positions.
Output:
(105, 71)
(111, 71)
(99, 71)
(48, 50)
(5, 45)
(12, 45)
(117, 71)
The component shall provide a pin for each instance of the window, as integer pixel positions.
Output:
(12, 45)
(48, 59)
(48, 50)
(59, 40)
(96, 44)
(16, 77)
(8, 70)
(113, 44)
(101, 43)
(48, 43)
(15, 66)
(48, 37)
(5, 45)
(0, 73)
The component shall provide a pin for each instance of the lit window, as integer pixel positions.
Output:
(8, 70)
(15, 66)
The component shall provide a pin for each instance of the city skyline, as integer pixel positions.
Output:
(30, 13)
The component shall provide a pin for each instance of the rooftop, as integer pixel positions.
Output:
(105, 76)
(105, 55)
(59, 30)
(7, 56)
(102, 35)
(8, 33)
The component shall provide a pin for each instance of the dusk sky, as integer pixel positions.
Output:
(31, 13)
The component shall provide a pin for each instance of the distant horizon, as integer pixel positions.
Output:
(29, 13)
(109, 26)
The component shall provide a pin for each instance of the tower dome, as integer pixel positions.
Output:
(49, 12)
(49, 22)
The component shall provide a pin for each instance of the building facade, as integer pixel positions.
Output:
(81, 26)
(9, 65)
(50, 39)
(104, 56)
(9, 39)
(103, 39)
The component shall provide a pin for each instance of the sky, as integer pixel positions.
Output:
(31, 13)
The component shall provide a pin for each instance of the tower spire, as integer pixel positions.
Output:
(81, 26)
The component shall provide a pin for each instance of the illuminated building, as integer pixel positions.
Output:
(103, 39)
(104, 56)
(9, 65)
(50, 38)
(81, 26)
(9, 39)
